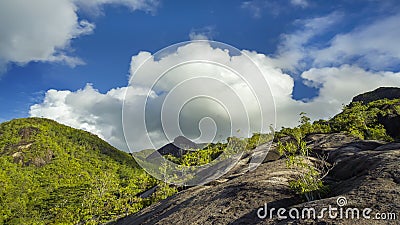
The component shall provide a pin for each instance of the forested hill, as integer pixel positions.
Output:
(37, 141)
(52, 173)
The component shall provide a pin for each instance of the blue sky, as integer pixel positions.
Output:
(99, 50)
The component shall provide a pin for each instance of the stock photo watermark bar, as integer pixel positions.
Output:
(338, 211)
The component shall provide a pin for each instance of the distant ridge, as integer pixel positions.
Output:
(184, 143)
(177, 148)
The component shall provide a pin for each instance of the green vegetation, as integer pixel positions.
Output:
(54, 174)
(357, 119)
(212, 151)
(308, 180)
(183, 170)
(202, 156)
(361, 120)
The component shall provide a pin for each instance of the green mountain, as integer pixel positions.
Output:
(52, 174)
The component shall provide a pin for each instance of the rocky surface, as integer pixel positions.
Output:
(391, 122)
(366, 173)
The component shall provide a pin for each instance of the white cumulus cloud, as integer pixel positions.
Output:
(86, 109)
(95, 6)
(374, 45)
(295, 48)
(337, 82)
(101, 113)
(204, 33)
(42, 30)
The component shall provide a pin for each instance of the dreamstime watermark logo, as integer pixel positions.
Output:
(331, 212)
(204, 91)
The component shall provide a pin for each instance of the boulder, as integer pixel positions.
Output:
(365, 173)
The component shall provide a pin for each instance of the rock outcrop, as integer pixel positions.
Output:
(391, 120)
(379, 93)
(365, 173)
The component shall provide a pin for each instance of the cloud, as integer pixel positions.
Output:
(337, 81)
(205, 33)
(101, 113)
(95, 6)
(42, 30)
(336, 86)
(254, 7)
(301, 3)
(181, 88)
(85, 109)
(196, 89)
(294, 49)
(39, 31)
(374, 45)
(272, 7)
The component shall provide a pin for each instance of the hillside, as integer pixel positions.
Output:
(355, 155)
(55, 174)
(379, 93)
(51, 173)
